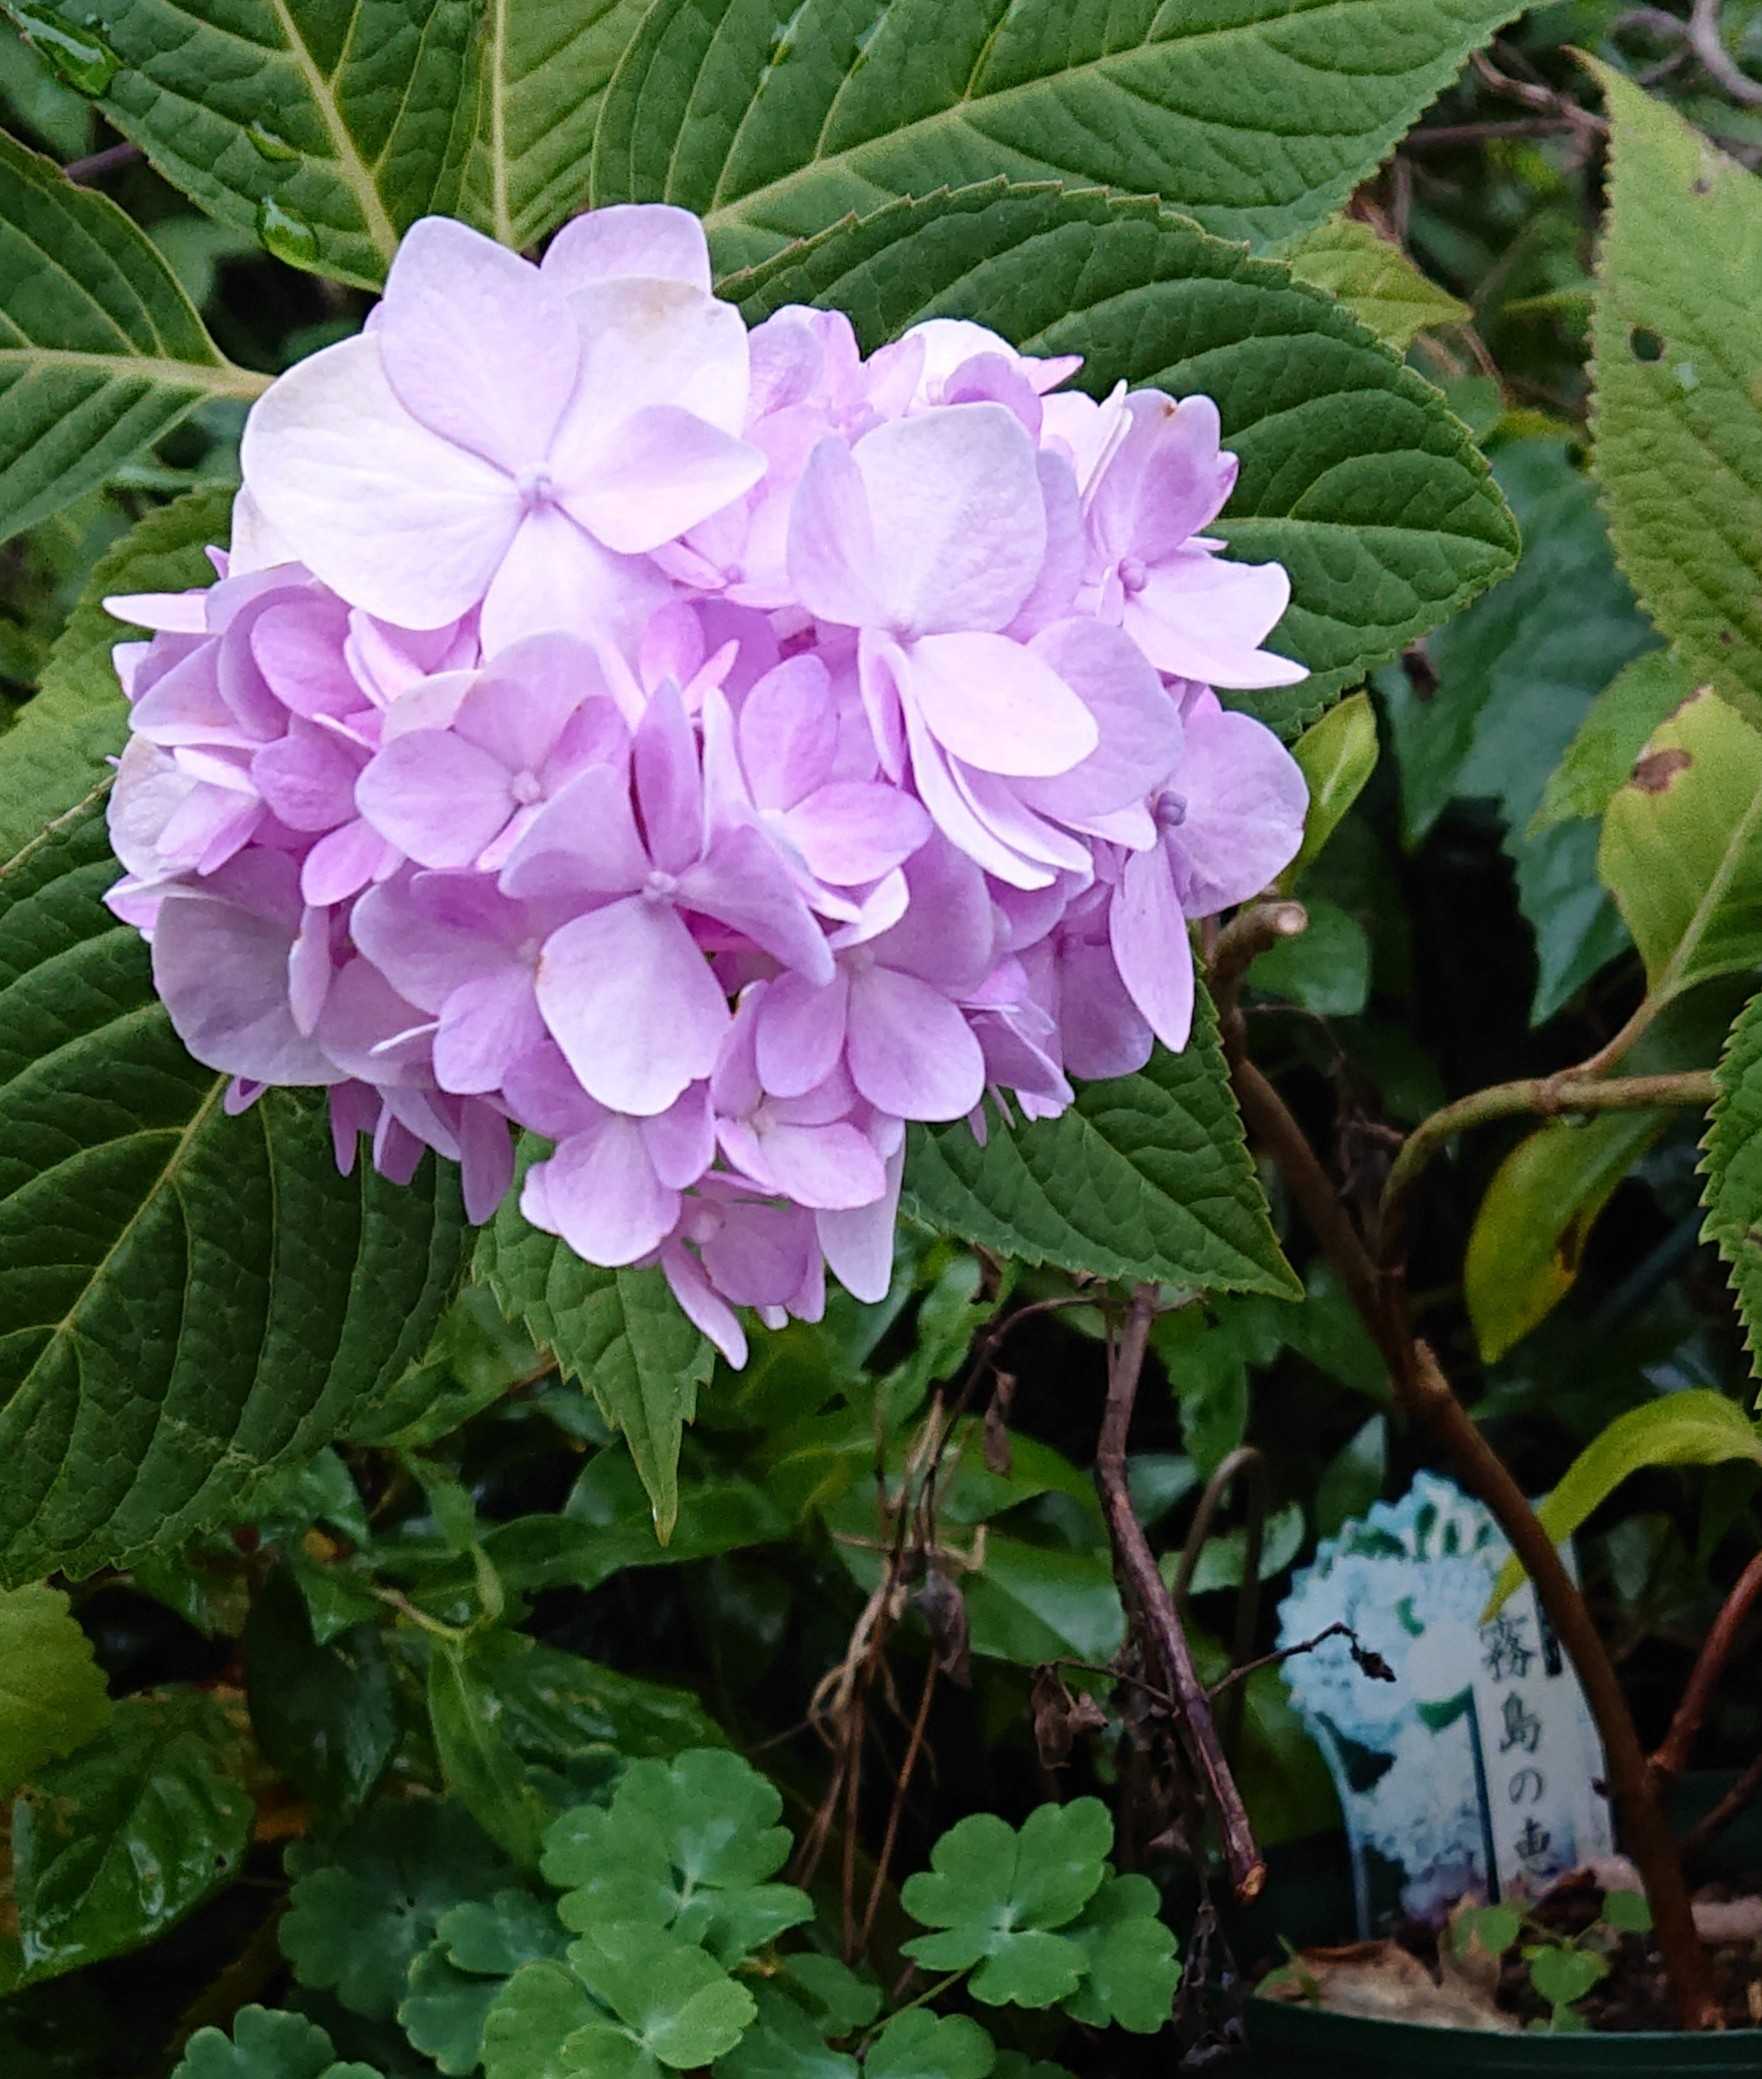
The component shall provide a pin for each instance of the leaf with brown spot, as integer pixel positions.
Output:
(1654, 773)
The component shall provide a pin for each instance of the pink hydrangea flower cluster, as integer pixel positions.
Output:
(708, 749)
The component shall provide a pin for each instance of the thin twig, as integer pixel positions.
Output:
(1546, 1097)
(1248, 934)
(1672, 1755)
(1372, 1664)
(1117, 1674)
(96, 164)
(901, 1783)
(1742, 1793)
(1144, 1594)
(1441, 137)
(1716, 61)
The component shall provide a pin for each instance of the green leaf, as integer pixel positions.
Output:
(1132, 1971)
(1681, 849)
(479, 1765)
(1733, 1195)
(326, 126)
(210, 1297)
(1353, 1478)
(685, 1846)
(1611, 737)
(1223, 1559)
(453, 1985)
(530, 2032)
(1147, 1176)
(674, 2006)
(1694, 1427)
(921, 2045)
(1375, 280)
(1627, 1912)
(266, 2045)
(1255, 119)
(1030, 1603)
(619, 1332)
(1353, 473)
(1563, 1975)
(1493, 1929)
(784, 2043)
(1677, 338)
(1337, 756)
(100, 350)
(325, 1716)
(995, 1895)
(362, 1909)
(1532, 1225)
(1325, 968)
(546, 67)
(52, 1693)
(119, 1842)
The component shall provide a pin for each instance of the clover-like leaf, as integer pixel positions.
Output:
(684, 1845)
(1132, 1968)
(366, 1907)
(919, 2045)
(542, 2007)
(832, 1992)
(784, 2043)
(672, 2005)
(996, 1895)
(454, 1984)
(266, 2045)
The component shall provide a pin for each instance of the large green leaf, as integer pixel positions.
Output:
(1681, 849)
(619, 1332)
(327, 126)
(117, 1843)
(546, 66)
(1695, 1427)
(100, 350)
(1611, 737)
(1256, 117)
(266, 2045)
(1374, 278)
(1734, 1170)
(1146, 1176)
(1677, 335)
(185, 1298)
(1354, 475)
(52, 1695)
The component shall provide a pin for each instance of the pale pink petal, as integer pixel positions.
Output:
(221, 969)
(343, 861)
(583, 842)
(955, 816)
(788, 732)
(669, 784)
(681, 1141)
(518, 708)
(555, 576)
(600, 980)
(743, 882)
(911, 1052)
(800, 1033)
(476, 344)
(1243, 800)
(600, 1192)
(370, 1031)
(703, 1306)
(485, 1025)
(308, 779)
(486, 1160)
(391, 516)
(1165, 480)
(949, 934)
(1150, 946)
(998, 705)
(436, 797)
(1204, 617)
(853, 831)
(298, 646)
(427, 933)
(647, 342)
(662, 471)
(859, 1243)
(1101, 1030)
(642, 238)
(960, 529)
(1140, 724)
(830, 1167)
(833, 560)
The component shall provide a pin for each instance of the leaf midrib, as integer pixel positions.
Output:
(739, 208)
(381, 231)
(1673, 975)
(217, 379)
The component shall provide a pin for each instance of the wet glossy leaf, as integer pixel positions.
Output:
(119, 1842)
(997, 1894)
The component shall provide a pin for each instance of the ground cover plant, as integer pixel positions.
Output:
(836, 855)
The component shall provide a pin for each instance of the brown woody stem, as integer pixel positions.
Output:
(1672, 1756)
(1150, 1606)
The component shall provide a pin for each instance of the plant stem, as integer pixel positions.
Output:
(1424, 1395)
(1249, 933)
(902, 1783)
(1544, 1096)
(1744, 1791)
(1672, 1756)
(930, 1992)
(1147, 1599)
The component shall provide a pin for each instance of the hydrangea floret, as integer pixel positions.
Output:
(709, 749)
